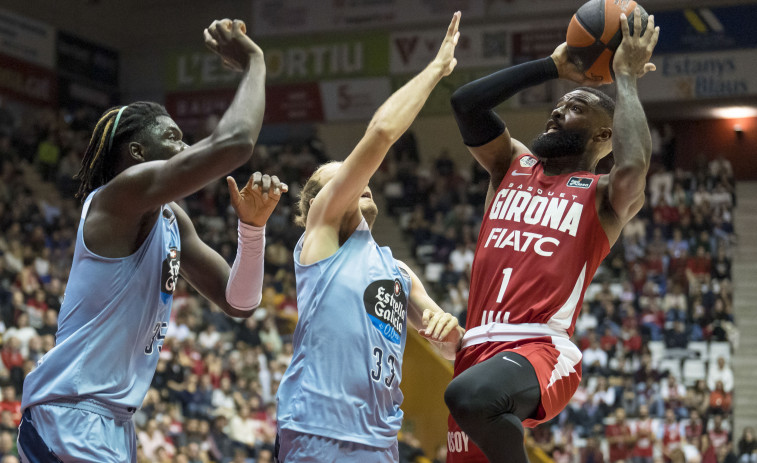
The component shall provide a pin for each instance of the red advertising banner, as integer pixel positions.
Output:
(284, 103)
(191, 110)
(293, 103)
(27, 82)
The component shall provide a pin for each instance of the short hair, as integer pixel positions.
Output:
(98, 164)
(605, 102)
(312, 187)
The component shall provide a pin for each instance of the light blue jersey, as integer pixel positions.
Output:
(112, 322)
(344, 379)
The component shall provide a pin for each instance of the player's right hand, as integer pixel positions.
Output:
(566, 69)
(229, 40)
(256, 201)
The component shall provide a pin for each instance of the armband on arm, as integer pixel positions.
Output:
(244, 291)
(473, 103)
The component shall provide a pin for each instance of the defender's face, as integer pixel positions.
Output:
(163, 139)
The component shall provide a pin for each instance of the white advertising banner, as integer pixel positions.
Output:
(26, 39)
(479, 47)
(288, 17)
(353, 99)
(691, 76)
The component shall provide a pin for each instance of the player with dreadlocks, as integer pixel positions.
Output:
(77, 404)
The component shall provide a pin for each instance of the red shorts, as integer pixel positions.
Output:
(557, 363)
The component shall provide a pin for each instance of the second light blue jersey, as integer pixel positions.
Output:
(112, 322)
(344, 379)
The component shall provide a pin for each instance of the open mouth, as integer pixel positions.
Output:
(552, 126)
(366, 195)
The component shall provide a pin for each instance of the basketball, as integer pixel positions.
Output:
(594, 34)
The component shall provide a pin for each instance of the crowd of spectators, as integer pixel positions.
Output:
(665, 286)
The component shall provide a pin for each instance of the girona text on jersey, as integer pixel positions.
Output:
(525, 204)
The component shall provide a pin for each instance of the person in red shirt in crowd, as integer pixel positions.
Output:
(700, 263)
(645, 435)
(694, 427)
(11, 403)
(671, 434)
(632, 341)
(608, 342)
(720, 401)
(591, 453)
(719, 436)
(11, 353)
(619, 437)
(707, 450)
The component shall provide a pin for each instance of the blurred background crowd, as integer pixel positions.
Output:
(656, 328)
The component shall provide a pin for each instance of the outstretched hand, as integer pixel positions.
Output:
(229, 40)
(440, 327)
(635, 50)
(446, 55)
(256, 201)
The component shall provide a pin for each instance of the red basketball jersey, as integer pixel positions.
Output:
(538, 249)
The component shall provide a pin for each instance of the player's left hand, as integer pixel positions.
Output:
(440, 327)
(445, 58)
(635, 50)
(255, 202)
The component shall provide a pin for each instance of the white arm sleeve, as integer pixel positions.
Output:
(245, 287)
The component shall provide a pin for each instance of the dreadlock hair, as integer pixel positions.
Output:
(605, 102)
(312, 187)
(99, 164)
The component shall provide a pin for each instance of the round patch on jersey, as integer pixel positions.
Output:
(528, 161)
(386, 305)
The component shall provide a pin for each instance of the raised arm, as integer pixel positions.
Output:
(483, 131)
(146, 185)
(391, 120)
(631, 140)
(237, 291)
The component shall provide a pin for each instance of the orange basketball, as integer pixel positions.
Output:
(594, 34)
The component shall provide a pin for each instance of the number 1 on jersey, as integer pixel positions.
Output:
(505, 280)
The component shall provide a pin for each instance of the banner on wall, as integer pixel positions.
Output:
(27, 82)
(334, 57)
(480, 47)
(88, 73)
(288, 60)
(353, 99)
(701, 75)
(26, 39)
(277, 17)
(707, 29)
(287, 17)
(293, 103)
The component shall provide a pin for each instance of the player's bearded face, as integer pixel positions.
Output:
(561, 143)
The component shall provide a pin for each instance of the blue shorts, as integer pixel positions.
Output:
(297, 447)
(54, 433)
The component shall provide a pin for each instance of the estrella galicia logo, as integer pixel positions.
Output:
(158, 335)
(580, 182)
(386, 304)
(170, 273)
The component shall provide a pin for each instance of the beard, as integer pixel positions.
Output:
(567, 142)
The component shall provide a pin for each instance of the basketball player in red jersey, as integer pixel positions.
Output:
(549, 222)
